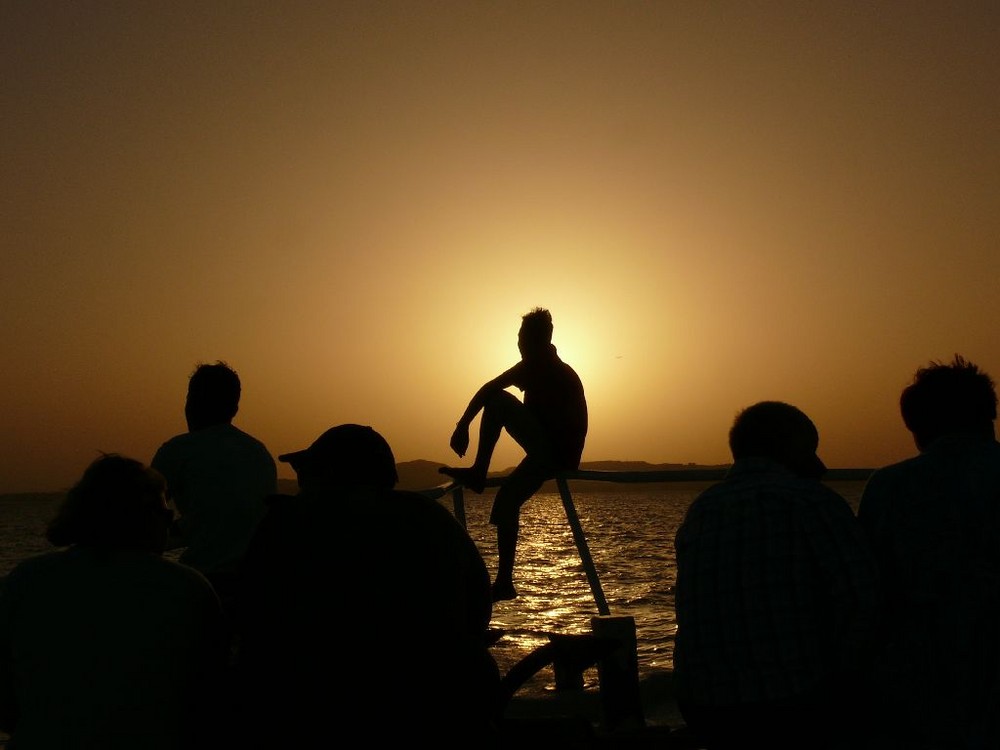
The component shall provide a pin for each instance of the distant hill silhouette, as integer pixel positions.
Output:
(413, 475)
(422, 475)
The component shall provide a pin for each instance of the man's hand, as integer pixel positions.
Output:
(460, 439)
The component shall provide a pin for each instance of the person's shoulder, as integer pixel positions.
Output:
(824, 493)
(413, 501)
(773, 480)
(180, 448)
(569, 371)
(181, 585)
(906, 471)
(250, 441)
(418, 509)
(173, 443)
(722, 488)
(278, 507)
(171, 569)
(243, 434)
(38, 565)
(30, 576)
(234, 432)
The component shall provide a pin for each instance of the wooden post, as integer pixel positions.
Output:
(459, 500)
(581, 545)
(621, 703)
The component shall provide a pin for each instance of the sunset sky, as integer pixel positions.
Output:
(353, 203)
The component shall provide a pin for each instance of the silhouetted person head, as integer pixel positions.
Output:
(535, 335)
(780, 432)
(118, 503)
(213, 396)
(345, 455)
(944, 399)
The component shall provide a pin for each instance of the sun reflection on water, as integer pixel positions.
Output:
(630, 531)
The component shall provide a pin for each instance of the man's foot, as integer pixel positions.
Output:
(470, 478)
(503, 590)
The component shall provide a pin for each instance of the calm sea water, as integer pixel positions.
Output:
(629, 530)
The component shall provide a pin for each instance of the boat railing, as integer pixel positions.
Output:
(563, 480)
(657, 476)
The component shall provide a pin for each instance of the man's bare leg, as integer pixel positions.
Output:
(503, 411)
(503, 584)
(516, 490)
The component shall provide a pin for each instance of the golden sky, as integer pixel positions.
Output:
(353, 203)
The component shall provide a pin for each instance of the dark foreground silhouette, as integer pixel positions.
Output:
(776, 597)
(366, 606)
(104, 643)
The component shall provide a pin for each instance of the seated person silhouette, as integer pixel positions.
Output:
(933, 524)
(550, 425)
(217, 477)
(364, 606)
(106, 643)
(777, 596)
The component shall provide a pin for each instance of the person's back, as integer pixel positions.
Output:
(105, 644)
(112, 651)
(767, 588)
(776, 594)
(363, 601)
(218, 475)
(934, 523)
(554, 393)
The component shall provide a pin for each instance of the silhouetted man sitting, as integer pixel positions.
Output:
(550, 425)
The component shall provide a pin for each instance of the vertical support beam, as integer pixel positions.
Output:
(458, 498)
(581, 545)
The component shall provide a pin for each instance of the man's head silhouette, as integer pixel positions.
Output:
(535, 335)
(213, 396)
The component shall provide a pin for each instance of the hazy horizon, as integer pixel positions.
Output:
(436, 480)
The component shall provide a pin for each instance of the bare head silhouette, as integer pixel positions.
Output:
(535, 335)
(213, 396)
(118, 502)
(953, 398)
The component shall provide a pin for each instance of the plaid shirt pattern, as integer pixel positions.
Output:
(776, 590)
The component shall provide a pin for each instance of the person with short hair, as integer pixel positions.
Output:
(776, 597)
(550, 425)
(105, 643)
(934, 524)
(217, 476)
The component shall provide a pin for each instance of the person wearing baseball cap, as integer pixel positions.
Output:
(346, 454)
(355, 593)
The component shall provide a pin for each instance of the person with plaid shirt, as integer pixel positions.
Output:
(777, 594)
